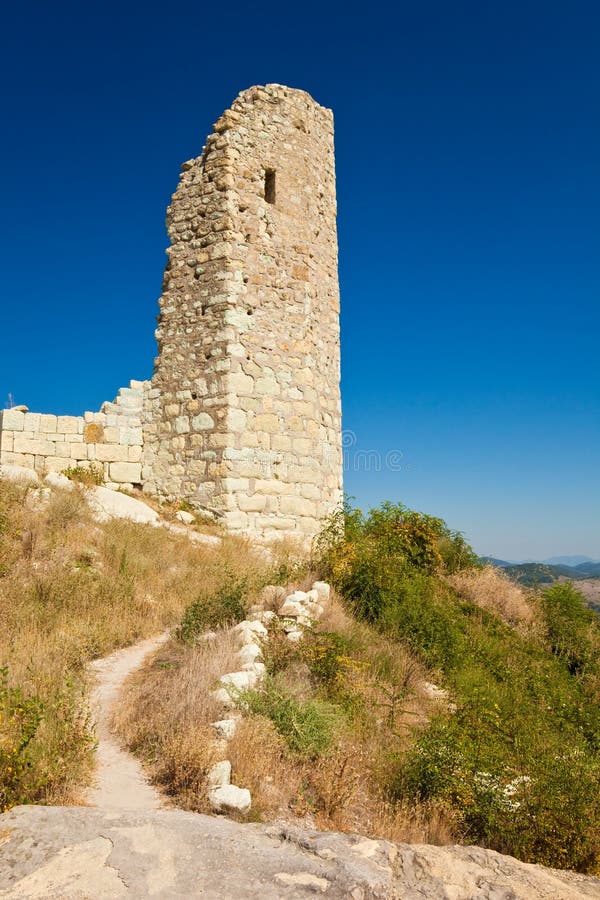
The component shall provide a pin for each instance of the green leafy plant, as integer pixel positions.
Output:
(224, 607)
(20, 718)
(307, 726)
(86, 475)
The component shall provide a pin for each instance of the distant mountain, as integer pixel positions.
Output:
(567, 560)
(589, 568)
(492, 561)
(541, 573)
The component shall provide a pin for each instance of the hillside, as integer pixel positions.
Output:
(432, 701)
(541, 573)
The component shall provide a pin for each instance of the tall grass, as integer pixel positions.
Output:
(72, 590)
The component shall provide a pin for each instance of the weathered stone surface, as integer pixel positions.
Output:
(49, 853)
(238, 681)
(247, 378)
(186, 517)
(243, 413)
(125, 472)
(219, 775)
(107, 504)
(322, 589)
(250, 653)
(19, 473)
(225, 728)
(55, 479)
(292, 609)
(230, 798)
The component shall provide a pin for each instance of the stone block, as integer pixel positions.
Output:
(202, 422)
(134, 454)
(12, 420)
(48, 424)
(182, 425)
(235, 420)
(32, 421)
(33, 445)
(133, 437)
(235, 520)
(230, 798)
(268, 422)
(78, 451)
(298, 506)
(56, 463)
(253, 503)
(93, 433)
(62, 449)
(225, 728)
(12, 472)
(111, 452)
(239, 384)
(125, 472)
(69, 424)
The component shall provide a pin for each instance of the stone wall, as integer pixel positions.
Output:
(244, 417)
(110, 440)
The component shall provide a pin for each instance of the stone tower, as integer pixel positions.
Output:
(243, 417)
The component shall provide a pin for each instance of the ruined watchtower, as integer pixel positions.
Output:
(243, 415)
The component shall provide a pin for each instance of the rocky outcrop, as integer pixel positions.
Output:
(56, 852)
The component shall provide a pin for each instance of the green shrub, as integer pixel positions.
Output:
(225, 607)
(87, 475)
(20, 718)
(516, 756)
(306, 726)
(572, 628)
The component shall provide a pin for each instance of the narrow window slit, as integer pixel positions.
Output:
(270, 185)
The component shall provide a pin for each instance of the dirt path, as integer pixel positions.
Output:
(119, 780)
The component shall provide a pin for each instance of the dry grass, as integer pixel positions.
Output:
(419, 823)
(343, 788)
(72, 590)
(494, 591)
(260, 762)
(165, 711)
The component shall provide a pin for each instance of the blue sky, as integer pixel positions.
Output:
(468, 165)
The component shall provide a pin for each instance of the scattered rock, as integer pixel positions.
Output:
(221, 695)
(323, 590)
(433, 691)
(57, 480)
(230, 798)
(225, 728)
(186, 517)
(219, 775)
(255, 626)
(267, 616)
(240, 681)
(19, 473)
(271, 595)
(250, 653)
(292, 609)
(107, 504)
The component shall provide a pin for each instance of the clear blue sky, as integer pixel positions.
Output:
(468, 162)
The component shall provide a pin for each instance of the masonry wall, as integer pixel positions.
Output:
(243, 416)
(110, 440)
